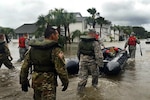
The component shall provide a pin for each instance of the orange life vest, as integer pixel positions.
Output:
(132, 41)
(116, 49)
(22, 42)
(96, 36)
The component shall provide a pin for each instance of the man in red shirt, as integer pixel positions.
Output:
(23, 46)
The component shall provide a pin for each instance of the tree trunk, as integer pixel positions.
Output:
(119, 36)
(65, 27)
(69, 35)
(100, 32)
(7, 39)
(94, 23)
(114, 35)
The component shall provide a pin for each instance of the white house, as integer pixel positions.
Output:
(83, 26)
(80, 23)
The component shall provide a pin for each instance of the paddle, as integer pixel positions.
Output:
(140, 50)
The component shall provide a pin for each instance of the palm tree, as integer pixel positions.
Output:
(41, 23)
(119, 28)
(96, 18)
(89, 21)
(39, 32)
(100, 21)
(94, 13)
(8, 32)
(54, 17)
(58, 18)
(63, 18)
(127, 30)
(68, 18)
(75, 34)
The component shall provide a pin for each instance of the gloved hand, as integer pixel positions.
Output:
(25, 86)
(65, 86)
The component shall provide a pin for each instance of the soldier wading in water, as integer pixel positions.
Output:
(47, 60)
(131, 43)
(5, 56)
(91, 58)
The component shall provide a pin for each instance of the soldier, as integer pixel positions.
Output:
(48, 61)
(91, 58)
(5, 56)
(131, 42)
(23, 46)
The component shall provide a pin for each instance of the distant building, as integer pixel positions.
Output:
(26, 28)
(80, 24)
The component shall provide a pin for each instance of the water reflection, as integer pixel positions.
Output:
(131, 84)
(70, 50)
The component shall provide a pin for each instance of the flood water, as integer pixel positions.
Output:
(131, 84)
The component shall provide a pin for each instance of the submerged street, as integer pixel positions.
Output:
(130, 84)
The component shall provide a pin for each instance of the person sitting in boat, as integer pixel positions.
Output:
(111, 52)
(116, 49)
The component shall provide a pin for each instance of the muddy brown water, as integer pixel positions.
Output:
(131, 84)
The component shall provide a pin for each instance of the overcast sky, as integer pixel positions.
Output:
(14, 13)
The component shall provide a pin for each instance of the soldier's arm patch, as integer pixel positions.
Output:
(61, 55)
(58, 52)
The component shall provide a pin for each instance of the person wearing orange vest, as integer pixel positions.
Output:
(131, 43)
(23, 46)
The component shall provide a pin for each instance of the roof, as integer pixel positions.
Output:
(78, 16)
(26, 28)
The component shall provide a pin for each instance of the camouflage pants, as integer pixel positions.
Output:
(44, 85)
(87, 68)
(4, 60)
(132, 53)
(45, 95)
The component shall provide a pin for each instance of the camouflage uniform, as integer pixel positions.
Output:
(132, 48)
(5, 55)
(47, 64)
(91, 58)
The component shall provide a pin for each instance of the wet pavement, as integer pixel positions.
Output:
(130, 84)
